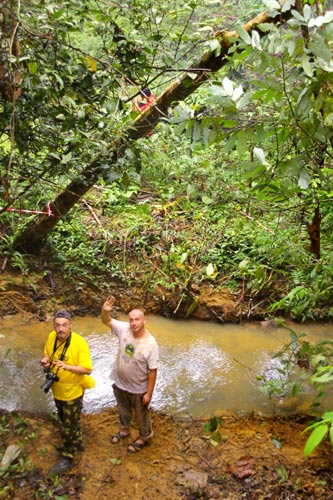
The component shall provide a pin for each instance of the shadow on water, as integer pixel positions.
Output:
(205, 367)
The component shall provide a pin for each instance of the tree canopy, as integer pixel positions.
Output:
(245, 93)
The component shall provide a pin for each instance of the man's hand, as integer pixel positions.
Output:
(107, 309)
(45, 362)
(60, 364)
(146, 398)
(109, 303)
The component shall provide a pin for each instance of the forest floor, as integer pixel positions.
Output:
(247, 457)
(250, 457)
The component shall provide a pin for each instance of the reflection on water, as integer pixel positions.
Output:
(205, 367)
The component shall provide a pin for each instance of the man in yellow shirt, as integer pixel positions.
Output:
(67, 364)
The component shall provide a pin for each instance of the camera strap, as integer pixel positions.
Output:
(55, 348)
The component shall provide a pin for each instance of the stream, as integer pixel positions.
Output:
(205, 367)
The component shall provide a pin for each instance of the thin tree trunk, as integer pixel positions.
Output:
(36, 232)
(10, 76)
(313, 230)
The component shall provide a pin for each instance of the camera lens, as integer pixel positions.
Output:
(50, 378)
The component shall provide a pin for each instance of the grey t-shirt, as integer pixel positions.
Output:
(136, 356)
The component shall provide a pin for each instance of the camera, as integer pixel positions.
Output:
(50, 378)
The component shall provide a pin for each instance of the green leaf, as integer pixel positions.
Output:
(304, 103)
(307, 67)
(192, 74)
(214, 45)
(291, 47)
(260, 155)
(207, 428)
(243, 34)
(260, 273)
(272, 4)
(207, 200)
(320, 49)
(11, 454)
(59, 80)
(329, 120)
(328, 17)
(315, 439)
(286, 6)
(228, 86)
(307, 12)
(230, 123)
(241, 145)
(317, 359)
(276, 443)
(231, 143)
(304, 179)
(192, 307)
(237, 93)
(322, 379)
(210, 270)
(252, 173)
(33, 67)
(214, 421)
(328, 416)
(297, 16)
(296, 389)
(244, 265)
(256, 43)
(196, 132)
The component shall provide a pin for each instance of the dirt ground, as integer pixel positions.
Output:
(246, 458)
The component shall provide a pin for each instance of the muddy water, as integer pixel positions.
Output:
(205, 367)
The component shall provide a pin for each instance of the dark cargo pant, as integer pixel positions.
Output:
(127, 403)
(69, 413)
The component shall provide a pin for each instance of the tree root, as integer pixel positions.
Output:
(14, 302)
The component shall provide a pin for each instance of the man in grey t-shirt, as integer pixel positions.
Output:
(134, 373)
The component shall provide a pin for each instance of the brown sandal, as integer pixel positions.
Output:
(116, 438)
(136, 447)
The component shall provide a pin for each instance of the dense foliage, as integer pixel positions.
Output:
(234, 187)
(305, 367)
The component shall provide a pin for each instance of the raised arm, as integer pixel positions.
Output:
(106, 314)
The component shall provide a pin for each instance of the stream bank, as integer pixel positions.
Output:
(37, 294)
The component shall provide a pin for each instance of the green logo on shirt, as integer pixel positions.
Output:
(129, 350)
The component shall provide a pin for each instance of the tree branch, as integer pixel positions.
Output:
(37, 231)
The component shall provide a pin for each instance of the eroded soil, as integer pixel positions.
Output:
(37, 296)
(256, 458)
